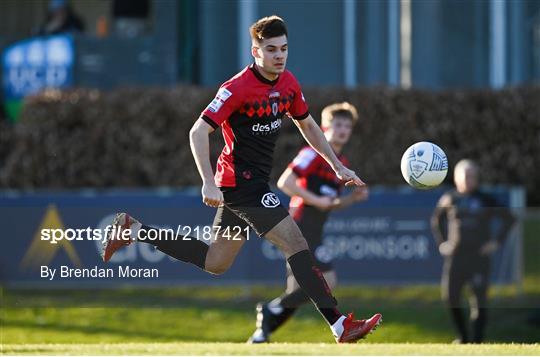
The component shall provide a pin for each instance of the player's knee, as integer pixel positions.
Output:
(216, 269)
(296, 244)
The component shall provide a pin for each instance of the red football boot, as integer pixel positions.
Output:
(353, 330)
(114, 239)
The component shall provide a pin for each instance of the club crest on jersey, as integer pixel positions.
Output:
(274, 94)
(221, 97)
(270, 200)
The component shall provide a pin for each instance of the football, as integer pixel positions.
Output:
(424, 165)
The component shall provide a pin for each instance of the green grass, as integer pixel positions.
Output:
(217, 320)
(273, 349)
(225, 314)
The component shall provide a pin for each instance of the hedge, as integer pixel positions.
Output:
(139, 136)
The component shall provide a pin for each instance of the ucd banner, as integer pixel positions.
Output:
(35, 64)
(54, 239)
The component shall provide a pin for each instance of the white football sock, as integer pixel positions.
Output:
(258, 336)
(337, 327)
(275, 306)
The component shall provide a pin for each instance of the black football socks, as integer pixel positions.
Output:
(294, 299)
(283, 307)
(311, 280)
(184, 248)
(290, 302)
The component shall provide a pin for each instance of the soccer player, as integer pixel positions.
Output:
(466, 215)
(314, 189)
(250, 108)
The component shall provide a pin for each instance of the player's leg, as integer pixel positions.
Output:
(127, 230)
(478, 302)
(280, 309)
(312, 228)
(273, 314)
(452, 282)
(229, 239)
(287, 237)
(215, 258)
(294, 296)
(284, 306)
(260, 207)
(184, 248)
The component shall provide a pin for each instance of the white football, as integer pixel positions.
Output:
(424, 165)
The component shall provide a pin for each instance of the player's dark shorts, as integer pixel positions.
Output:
(253, 205)
(311, 224)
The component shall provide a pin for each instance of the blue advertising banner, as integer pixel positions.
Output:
(35, 64)
(385, 240)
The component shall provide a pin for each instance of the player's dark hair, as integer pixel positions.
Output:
(268, 27)
(346, 110)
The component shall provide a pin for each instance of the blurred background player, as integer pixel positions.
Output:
(462, 226)
(314, 189)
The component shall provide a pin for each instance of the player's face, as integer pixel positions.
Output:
(466, 180)
(339, 131)
(271, 54)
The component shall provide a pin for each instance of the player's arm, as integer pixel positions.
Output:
(507, 220)
(315, 138)
(200, 148)
(288, 184)
(439, 219)
(222, 106)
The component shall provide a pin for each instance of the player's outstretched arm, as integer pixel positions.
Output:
(200, 148)
(315, 138)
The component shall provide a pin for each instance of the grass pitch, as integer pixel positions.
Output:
(273, 349)
(226, 314)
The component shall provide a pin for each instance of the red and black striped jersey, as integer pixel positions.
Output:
(315, 175)
(250, 108)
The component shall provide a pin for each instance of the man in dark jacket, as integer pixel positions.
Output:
(462, 226)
